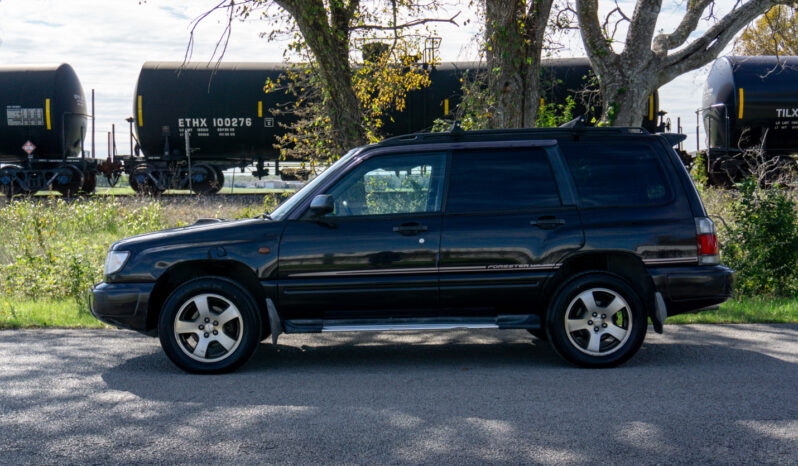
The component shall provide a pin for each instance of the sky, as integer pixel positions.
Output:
(106, 42)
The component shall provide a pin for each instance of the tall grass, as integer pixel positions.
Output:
(52, 249)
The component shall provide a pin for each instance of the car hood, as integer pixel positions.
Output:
(212, 232)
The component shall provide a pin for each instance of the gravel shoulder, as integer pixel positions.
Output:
(699, 393)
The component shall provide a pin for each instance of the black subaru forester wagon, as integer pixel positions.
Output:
(578, 235)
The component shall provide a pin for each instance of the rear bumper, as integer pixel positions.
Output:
(122, 304)
(691, 289)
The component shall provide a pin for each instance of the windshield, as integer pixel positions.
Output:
(288, 205)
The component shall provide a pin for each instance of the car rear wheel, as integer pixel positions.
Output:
(209, 325)
(597, 320)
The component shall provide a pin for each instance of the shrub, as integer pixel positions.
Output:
(762, 241)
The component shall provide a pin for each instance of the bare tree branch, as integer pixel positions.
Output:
(596, 43)
(644, 21)
(409, 24)
(665, 42)
(712, 42)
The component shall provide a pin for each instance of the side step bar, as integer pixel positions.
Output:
(333, 327)
(528, 321)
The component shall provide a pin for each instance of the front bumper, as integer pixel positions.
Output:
(692, 289)
(123, 305)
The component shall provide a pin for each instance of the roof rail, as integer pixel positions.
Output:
(457, 131)
(578, 122)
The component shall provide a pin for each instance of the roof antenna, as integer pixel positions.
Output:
(578, 122)
(455, 129)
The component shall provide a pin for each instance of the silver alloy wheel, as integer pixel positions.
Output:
(208, 327)
(598, 321)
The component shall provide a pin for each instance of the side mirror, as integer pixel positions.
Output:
(322, 204)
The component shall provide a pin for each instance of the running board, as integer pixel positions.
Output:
(385, 327)
(528, 321)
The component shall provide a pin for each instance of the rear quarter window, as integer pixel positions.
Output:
(616, 174)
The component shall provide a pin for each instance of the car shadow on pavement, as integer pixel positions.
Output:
(697, 394)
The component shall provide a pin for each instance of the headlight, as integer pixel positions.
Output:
(115, 261)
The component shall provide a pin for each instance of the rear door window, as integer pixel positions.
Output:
(496, 180)
(616, 174)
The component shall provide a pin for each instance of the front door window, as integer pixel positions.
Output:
(391, 185)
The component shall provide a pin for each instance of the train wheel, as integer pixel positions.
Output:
(204, 180)
(219, 179)
(142, 183)
(69, 180)
(89, 182)
(9, 186)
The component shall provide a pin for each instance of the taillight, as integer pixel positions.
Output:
(708, 253)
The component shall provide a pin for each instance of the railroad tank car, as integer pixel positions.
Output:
(748, 103)
(224, 110)
(42, 129)
(227, 116)
(560, 78)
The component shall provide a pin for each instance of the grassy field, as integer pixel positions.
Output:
(65, 313)
(52, 251)
(128, 191)
(19, 313)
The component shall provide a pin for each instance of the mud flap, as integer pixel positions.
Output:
(660, 312)
(274, 320)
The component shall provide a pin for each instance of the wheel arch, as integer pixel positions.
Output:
(189, 270)
(626, 265)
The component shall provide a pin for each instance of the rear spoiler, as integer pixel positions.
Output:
(673, 138)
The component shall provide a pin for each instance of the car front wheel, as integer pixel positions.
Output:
(597, 320)
(209, 325)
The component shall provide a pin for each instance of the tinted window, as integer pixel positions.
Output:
(391, 184)
(501, 180)
(616, 174)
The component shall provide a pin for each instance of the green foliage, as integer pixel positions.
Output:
(553, 114)
(52, 249)
(20, 313)
(762, 241)
(476, 107)
(744, 311)
(55, 249)
(774, 33)
(699, 170)
(380, 84)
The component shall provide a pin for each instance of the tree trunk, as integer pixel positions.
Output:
(329, 43)
(625, 96)
(649, 61)
(514, 38)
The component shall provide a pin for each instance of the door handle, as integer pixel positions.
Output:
(408, 229)
(547, 222)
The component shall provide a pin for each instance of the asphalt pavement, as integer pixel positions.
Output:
(698, 394)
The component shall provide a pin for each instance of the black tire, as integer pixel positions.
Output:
(539, 333)
(619, 334)
(69, 181)
(89, 182)
(180, 311)
(141, 182)
(204, 180)
(219, 180)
